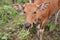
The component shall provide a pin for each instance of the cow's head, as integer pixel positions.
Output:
(31, 14)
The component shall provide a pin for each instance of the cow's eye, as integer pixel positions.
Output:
(24, 12)
(34, 12)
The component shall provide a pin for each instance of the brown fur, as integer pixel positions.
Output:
(40, 14)
(34, 14)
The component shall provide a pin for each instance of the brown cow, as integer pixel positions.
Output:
(40, 11)
(33, 12)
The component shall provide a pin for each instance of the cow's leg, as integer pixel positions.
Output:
(38, 32)
(38, 29)
(56, 17)
(42, 28)
(44, 23)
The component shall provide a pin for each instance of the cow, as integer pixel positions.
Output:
(38, 12)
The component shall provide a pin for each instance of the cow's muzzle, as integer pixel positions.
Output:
(27, 25)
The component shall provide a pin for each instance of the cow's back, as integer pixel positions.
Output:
(53, 5)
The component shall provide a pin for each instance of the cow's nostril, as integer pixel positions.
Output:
(27, 25)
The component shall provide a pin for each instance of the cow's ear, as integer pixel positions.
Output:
(17, 7)
(43, 6)
(31, 1)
